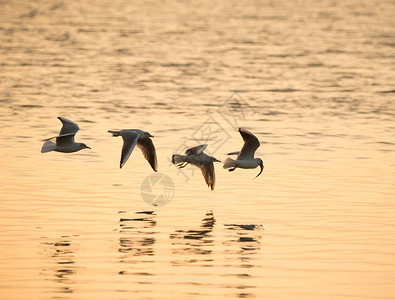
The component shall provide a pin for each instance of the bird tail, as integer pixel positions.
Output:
(229, 163)
(176, 158)
(114, 132)
(48, 146)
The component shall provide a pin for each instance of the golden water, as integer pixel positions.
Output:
(317, 82)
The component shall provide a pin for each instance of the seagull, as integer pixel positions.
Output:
(245, 158)
(133, 137)
(197, 158)
(65, 139)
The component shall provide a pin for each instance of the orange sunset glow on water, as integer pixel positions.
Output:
(313, 81)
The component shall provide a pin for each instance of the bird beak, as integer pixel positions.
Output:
(88, 147)
(150, 135)
(261, 165)
(216, 160)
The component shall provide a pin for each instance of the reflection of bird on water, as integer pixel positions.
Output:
(135, 242)
(62, 254)
(195, 240)
(248, 235)
(208, 221)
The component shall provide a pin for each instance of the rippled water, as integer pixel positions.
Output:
(314, 80)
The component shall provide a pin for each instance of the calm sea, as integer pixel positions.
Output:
(313, 80)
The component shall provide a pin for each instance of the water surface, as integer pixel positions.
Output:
(313, 80)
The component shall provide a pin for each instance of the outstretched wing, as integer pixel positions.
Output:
(67, 133)
(208, 174)
(68, 126)
(147, 147)
(196, 150)
(129, 142)
(65, 139)
(251, 143)
(234, 153)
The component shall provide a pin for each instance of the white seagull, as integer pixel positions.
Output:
(245, 158)
(133, 137)
(197, 158)
(65, 139)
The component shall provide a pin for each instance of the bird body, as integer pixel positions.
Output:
(65, 140)
(245, 158)
(194, 159)
(242, 163)
(133, 137)
(197, 158)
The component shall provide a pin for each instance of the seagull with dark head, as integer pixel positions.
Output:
(197, 158)
(133, 137)
(65, 140)
(245, 158)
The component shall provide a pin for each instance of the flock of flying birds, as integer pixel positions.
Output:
(131, 137)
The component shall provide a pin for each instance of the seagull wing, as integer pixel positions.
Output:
(129, 142)
(234, 153)
(196, 150)
(68, 126)
(65, 139)
(251, 143)
(67, 133)
(208, 174)
(147, 147)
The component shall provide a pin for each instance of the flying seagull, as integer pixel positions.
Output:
(133, 137)
(65, 139)
(245, 158)
(197, 158)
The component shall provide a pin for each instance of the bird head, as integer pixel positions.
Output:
(83, 146)
(147, 134)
